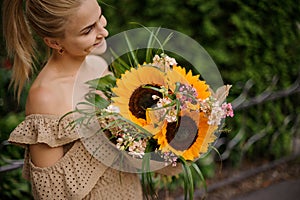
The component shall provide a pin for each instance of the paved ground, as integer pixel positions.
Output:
(288, 190)
(276, 180)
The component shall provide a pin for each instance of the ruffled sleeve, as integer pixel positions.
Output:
(48, 129)
(72, 177)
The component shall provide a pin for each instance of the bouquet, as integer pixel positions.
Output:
(159, 111)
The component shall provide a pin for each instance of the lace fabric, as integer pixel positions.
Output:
(78, 174)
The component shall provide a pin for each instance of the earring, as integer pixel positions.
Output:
(61, 51)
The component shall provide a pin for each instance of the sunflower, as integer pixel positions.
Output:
(189, 137)
(132, 97)
(178, 74)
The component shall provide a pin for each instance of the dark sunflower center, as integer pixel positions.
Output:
(141, 99)
(181, 135)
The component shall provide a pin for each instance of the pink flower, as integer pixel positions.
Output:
(227, 107)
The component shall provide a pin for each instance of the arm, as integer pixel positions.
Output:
(40, 100)
(44, 156)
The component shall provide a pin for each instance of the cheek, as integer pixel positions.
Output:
(82, 44)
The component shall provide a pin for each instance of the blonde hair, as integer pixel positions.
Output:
(47, 18)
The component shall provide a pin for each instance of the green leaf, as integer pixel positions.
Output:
(104, 83)
(147, 181)
(133, 56)
(199, 173)
(188, 179)
(147, 133)
(119, 66)
(149, 49)
(97, 100)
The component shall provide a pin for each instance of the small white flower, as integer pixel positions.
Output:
(131, 148)
(163, 62)
(112, 109)
(120, 140)
(170, 61)
(156, 59)
(136, 154)
(216, 114)
(171, 116)
(154, 97)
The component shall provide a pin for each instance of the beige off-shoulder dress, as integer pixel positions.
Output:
(77, 175)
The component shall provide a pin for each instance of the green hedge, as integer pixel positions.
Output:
(253, 42)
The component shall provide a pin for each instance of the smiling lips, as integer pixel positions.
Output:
(96, 45)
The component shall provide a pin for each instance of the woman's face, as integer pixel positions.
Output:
(85, 30)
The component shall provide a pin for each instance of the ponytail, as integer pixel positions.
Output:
(46, 18)
(19, 43)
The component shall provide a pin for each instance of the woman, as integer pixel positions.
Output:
(56, 161)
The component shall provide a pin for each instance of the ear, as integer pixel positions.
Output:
(52, 43)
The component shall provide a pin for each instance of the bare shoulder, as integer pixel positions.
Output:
(40, 100)
(50, 93)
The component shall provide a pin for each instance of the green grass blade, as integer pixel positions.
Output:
(220, 157)
(131, 50)
(200, 174)
(188, 179)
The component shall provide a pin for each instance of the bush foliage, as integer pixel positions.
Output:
(256, 46)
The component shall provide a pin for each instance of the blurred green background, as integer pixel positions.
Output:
(256, 46)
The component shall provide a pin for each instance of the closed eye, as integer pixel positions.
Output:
(90, 28)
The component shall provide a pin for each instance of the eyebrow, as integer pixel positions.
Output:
(90, 26)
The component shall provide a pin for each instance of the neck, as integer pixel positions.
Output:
(65, 64)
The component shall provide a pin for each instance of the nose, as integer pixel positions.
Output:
(102, 32)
